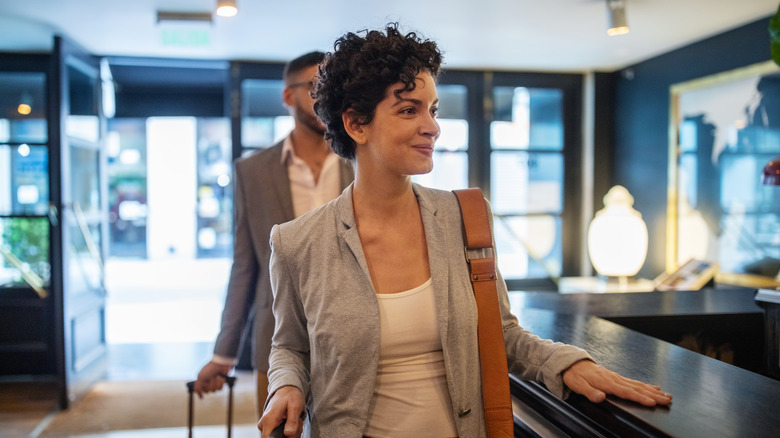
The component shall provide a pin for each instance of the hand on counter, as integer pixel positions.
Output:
(595, 382)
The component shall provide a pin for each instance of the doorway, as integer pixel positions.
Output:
(170, 241)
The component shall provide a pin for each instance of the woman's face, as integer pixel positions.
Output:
(401, 136)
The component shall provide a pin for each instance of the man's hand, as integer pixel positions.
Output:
(286, 404)
(211, 378)
(595, 382)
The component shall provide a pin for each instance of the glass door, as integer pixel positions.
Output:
(82, 227)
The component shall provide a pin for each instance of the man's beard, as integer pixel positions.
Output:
(310, 121)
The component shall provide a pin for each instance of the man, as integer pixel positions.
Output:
(272, 186)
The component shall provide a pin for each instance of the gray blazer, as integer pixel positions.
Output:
(261, 199)
(326, 341)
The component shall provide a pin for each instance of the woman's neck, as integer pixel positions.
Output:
(382, 199)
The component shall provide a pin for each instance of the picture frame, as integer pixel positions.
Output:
(723, 129)
(693, 275)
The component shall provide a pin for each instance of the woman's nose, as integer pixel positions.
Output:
(431, 127)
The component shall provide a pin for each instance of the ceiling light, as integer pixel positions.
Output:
(226, 8)
(616, 17)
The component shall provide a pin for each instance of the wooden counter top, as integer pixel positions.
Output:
(711, 398)
(673, 303)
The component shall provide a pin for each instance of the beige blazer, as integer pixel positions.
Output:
(326, 340)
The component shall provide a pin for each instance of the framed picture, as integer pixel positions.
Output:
(693, 275)
(723, 129)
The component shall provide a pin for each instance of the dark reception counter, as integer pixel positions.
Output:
(711, 398)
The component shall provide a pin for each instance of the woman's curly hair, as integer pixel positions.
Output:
(359, 71)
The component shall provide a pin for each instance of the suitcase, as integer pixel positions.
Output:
(230, 380)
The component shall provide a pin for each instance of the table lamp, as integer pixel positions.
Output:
(617, 236)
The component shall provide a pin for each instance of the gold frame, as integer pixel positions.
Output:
(675, 90)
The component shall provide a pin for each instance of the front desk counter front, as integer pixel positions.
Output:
(711, 398)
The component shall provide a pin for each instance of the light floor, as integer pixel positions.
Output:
(161, 320)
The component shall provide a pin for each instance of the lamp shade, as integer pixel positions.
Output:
(617, 236)
(772, 172)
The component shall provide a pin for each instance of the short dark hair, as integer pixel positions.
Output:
(301, 63)
(360, 70)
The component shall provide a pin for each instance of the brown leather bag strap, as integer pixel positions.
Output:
(492, 352)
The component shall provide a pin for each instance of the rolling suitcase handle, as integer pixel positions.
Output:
(230, 380)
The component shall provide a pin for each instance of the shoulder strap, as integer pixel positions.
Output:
(492, 351)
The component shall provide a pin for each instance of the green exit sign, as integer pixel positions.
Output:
(184, 37)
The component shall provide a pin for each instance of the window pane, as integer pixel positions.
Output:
(24, 244)
(84, 263)
(127, 189)
(523, 182)
(24, 180)
(450, 171)
(527, 118)
(528, 246)
(452, 101)
(22, 108)
(454, 135)
(450, 159)
(84, 127)
(215, 206)
(85, 188)
(263, 132)
(264, 118)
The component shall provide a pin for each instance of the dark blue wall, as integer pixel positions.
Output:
(640, 125)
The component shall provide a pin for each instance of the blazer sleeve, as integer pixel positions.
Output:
(529, 356)
(289, 360)
(244, 274)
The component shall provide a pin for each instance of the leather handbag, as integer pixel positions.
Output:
(480, 256)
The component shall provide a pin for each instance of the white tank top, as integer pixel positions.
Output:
(410, 397)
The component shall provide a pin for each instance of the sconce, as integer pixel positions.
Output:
(772, 173)
(616, 17)
(617, 236)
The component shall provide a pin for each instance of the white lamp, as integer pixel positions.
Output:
(617, 236)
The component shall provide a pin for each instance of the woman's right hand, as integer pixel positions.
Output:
(287, 404)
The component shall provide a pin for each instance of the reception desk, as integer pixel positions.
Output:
(711, 398)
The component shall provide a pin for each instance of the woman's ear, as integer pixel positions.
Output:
(354, 128)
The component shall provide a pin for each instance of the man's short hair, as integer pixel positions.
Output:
(302, 63)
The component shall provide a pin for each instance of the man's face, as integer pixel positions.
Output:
(300, 102)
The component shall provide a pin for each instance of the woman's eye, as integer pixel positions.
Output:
(435, 111)
(409, 110)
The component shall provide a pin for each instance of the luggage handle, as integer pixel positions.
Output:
(230, 380)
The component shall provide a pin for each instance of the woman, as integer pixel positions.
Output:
(376, 329)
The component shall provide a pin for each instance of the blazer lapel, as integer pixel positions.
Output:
(349, 232)
(281, 184)
(436, 237)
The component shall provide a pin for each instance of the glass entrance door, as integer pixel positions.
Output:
(83, 218)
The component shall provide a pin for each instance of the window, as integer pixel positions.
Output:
(526, 180)
(264, 119)
(24, 181)
(450, 158)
